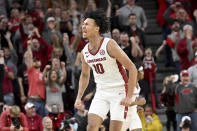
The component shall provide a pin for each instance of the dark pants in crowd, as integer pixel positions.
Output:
(39, 105)
(145, 91)
(171, 119)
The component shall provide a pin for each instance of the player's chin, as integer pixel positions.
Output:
(84, 36)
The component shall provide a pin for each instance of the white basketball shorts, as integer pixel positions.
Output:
(106, 100)
(132, 121)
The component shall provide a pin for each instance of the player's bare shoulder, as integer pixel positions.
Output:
(113, 48)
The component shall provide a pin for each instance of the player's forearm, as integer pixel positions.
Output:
(132, 80)
(83, 83)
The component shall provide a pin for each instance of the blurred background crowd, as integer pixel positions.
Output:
(40, 48)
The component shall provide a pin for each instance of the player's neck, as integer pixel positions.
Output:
(95, 42)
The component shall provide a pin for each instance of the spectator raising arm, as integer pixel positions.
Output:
(28, 55)
(63, 77)
(160, 48)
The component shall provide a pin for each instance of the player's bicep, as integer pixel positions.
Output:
(116, 52)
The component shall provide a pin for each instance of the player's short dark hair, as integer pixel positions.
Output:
(100, 19)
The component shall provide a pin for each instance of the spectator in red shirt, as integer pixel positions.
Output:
(33, 119)
(36, 93)
(185, 48)
(7, 86)
(13, 120)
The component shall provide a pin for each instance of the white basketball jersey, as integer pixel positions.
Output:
(107, 71)
(135, 95)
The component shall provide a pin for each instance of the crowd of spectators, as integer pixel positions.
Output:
(40, 44)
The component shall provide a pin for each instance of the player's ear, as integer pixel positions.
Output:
(97, 29)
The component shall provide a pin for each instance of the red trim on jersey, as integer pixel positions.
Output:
(97, 49)
(123, 73)
(125, 78)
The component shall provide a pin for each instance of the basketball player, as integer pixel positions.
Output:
(133, 122)
(106, 59)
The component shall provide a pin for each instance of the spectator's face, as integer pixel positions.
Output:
(51, 24)
(53, 76)
(188, 30)
(57, 53)
(4, 23)
(185, 79)
(15, 5)
(132, 20)
(131, 2)
(57, 12)
(35, 45)
(29, 20)
(65, 15)
(176, 26)
(124, 39)
(55, 63)
(48, 123)
(89, 28)
(195, 13)
(91, 5)
(73, 5)
(38, 4)
(181, 14)
(16, 13)
(31, 112)
(6, 53)
(116, 34)
(148, 52)
(37, 64)
(148, 111)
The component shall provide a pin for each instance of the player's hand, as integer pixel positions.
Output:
(126, 101)
(78, 104)
(141, 101)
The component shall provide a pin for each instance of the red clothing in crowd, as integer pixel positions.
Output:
(44, 52)
(37, 20)
(162, 8)
(36, 86)
(7, 83)
(183, 54)
(35, 124)
(149, 68)
(57, 120)
(81, 45)
(15, 24)
(5, 121)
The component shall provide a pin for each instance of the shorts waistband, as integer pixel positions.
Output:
(35, 99)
